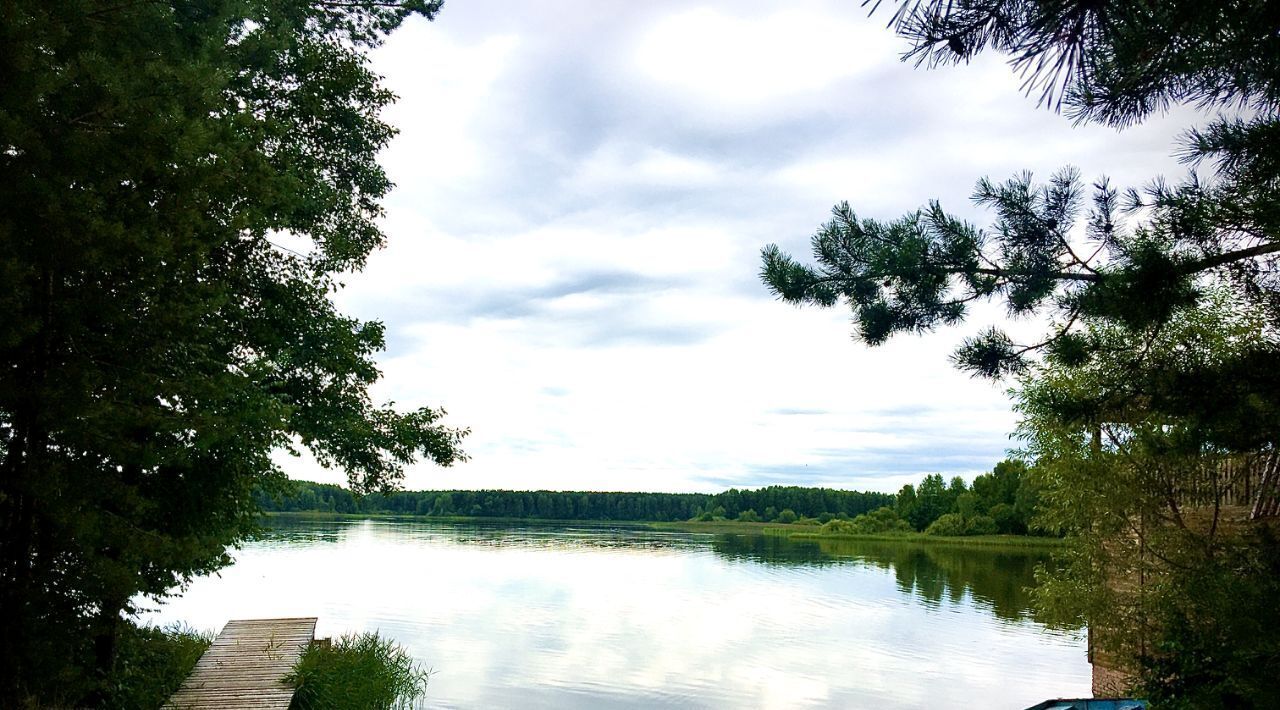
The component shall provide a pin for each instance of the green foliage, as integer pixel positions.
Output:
(1219, 648)
(1146, 252)
(1161, 569)
(787, 516)
(357, 672)
(184, 185)
(1002, 501)
(883, 520)
(950, 524)
(1115, 63)
(748, 516)
(151, 663)
(1006, 520)
(300, 496)
(980, 525)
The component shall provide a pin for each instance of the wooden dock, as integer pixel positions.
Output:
(245, 667)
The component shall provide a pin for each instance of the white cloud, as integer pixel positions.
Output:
(711, 56)
(575, 238)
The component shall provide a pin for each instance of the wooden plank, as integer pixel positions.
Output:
(245, 666)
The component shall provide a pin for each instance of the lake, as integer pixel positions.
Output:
(529, 616)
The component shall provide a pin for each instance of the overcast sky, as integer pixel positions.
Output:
(583, 189)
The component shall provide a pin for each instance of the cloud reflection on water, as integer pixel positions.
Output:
(554, 617)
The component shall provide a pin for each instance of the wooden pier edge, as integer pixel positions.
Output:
(245, 666)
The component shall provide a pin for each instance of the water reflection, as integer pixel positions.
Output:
(998, 579)
(562, 617)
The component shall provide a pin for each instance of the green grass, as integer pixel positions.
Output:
(732, 526)
(357, 672)
(151, 663)
(962, 540)
(796, 530)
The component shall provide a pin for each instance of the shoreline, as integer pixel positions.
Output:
(788, 530)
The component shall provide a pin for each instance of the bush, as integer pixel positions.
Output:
(841, 527)
(357, 672)
(947, 524)
(787, 516)
(1215, 644)
(825, 518)
(1007, 520)
(151, 663)
(748, 516)
(880, 521)
(885, 520)
(980, 525)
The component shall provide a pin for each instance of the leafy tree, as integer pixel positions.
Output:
(967, 505)
(1219, 648)
(932, 501)
(787, 516)
(905, 504)
(1152, 506)
(184, 184)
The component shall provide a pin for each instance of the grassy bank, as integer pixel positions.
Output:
(793, 530)
(151, 663)
(923, 539)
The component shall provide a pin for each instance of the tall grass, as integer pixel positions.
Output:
(919, 538)
(151, 663)
(357, 672)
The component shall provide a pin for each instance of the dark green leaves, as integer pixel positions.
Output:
(1112, 62)
(183, 183)
(1137, 266)
(895, 275)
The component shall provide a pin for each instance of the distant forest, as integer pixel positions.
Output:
(771, 503)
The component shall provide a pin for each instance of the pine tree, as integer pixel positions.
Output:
(1148, 252)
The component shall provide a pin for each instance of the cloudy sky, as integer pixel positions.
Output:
(583, 189)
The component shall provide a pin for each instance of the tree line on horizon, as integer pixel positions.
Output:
(1002, 501)
(764, 504)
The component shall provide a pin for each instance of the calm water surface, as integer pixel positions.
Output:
(563, 617)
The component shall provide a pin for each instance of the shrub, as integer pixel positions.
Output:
(980, 525)
(880, 521)
(357, 672)
(1007, 520)
(787, 516)
(748, 516)
(151, 663)
(947, 524)
(841, 527)
(885, 519)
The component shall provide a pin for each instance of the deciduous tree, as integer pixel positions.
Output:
(184, 185)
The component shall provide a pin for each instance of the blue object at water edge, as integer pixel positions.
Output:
(1091, 704)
